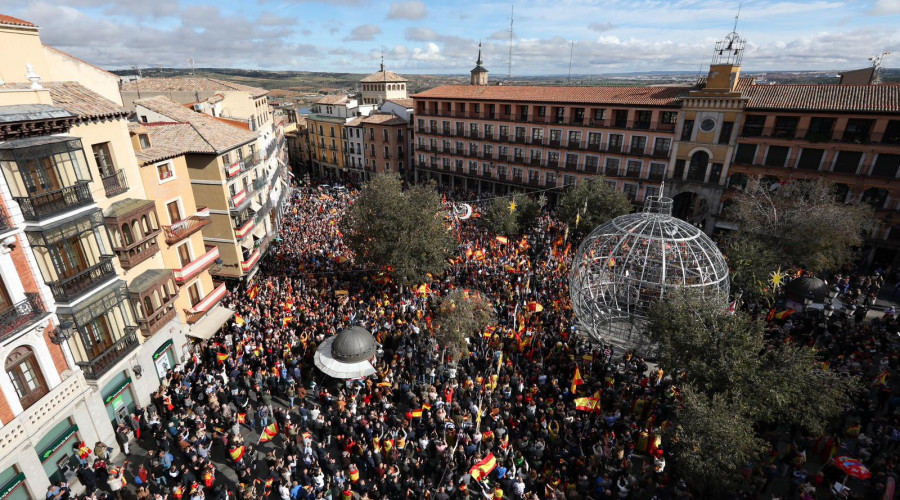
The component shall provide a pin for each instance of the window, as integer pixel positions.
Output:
(174, 212)
(630, 190)
(25, 375)
(651, 191)
(886, 165)
(697, 168)
(612, 167)
(668, 117)
(5, 302)
(104, 159)
(638, 144)
(657, 171)
(144, 141)
(599, 114)
(594, 140)
(574, 138)
(571, 161)
(634, 169)
(507, 109)
(746, 154)
(165, 172)
(554, 136)
(810, 159)
(194, 293)
(537, 135)
(776, 156)
(387, 135)
(615, 142)
(661, 146)
(891, 133)
(569, 180)
(96, 336)
(184, 254)
(642, 119)
(857, 130)
(753, 125)
(725, 132)
(591, 163)
(785, 126)
(542, 111)
(688, 130)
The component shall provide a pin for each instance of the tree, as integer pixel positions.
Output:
(460, 314)
(389, 227)
(751, 261)
(734, 374)
(589, 204)
(510, 215)
(713, 440)
(802, 221)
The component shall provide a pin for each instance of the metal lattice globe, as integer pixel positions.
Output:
(625, 265)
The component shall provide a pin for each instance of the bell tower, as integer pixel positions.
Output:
(479, 73)
(725, 69)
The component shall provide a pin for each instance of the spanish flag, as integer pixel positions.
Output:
(237, 453)
(576, 380)
(222, 356)
(384, 384)
(481, 470)
(239, 320)
(83, 451)
(286, 320)
(426, 407)
(416, 413)
(242, 418)
(881, 379)
(253, 291)
(488, 434)
(270, 482)
(269, 433)
(784, 314)
(503, 240)
(586, 404)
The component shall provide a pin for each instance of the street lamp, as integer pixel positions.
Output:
(829, 310)
(834, 292)
(62, 332)
(808, 299)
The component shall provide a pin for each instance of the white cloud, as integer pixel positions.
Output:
(601, 27)
(430, 53)
(886, 7)
(413, 11)
(420, 34)
(363, 33)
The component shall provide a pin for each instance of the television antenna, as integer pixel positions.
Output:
(571, 51)
(876, 63)
(191, 62)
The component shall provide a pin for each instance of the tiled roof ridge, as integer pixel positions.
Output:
(15, 21)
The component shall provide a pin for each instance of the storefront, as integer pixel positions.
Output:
(56, 454)
(12, 485)
(119, 400)
(164, 359)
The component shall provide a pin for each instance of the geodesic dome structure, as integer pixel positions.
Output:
(625, 265)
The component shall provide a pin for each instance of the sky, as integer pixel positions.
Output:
(442, 37)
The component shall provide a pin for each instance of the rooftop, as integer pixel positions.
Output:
(824, 98)
(15, 21)
(383, 76)
(638, 96)
(334, 99)
(77, 99)
(405, 102)
(168, 140)
(189, 84)
(384, 119)
(218, 135)
(32, 112)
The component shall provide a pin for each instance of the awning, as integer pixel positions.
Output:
(210, 324)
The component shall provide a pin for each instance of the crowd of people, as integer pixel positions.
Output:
(535, 411)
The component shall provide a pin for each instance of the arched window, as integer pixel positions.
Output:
(697, 168)
(127, 235)
(26, 376)
(737, 181)
(875, 197)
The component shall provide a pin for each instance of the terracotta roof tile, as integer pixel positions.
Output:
(406, 103)
(15, 21)
(383, 76)
(189, 84)
(384, 119)
(77, 99)
(637, 96)
(823, 98)
(333, 99)
(169, 140)
(220, 136)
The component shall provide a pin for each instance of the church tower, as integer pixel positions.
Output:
(479, 73)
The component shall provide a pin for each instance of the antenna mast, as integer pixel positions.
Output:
(571, 50)
(876, 63)
(509, 66)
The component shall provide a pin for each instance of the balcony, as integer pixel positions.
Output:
(552, 163)
(49, 203)
(239, 199)
(251, 161)
(97, 366)
(233, 169)
(259, 183)
(251, 260)
(574, 144)
(132, 255)
(245, 229)
(21, 315)
(184, 228)
(198, 265)
(67, 289)
(153, 287)
(200, 309)
(115, 184)
(660, 153)
(5, 223)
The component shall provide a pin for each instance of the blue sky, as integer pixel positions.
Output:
(442, 36)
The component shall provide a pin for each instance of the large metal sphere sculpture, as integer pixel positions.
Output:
(625, 265)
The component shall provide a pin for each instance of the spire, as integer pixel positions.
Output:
(382, 61)
(479, 61)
